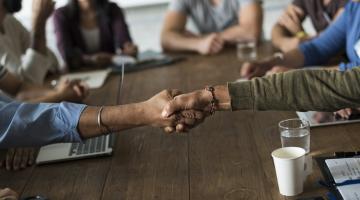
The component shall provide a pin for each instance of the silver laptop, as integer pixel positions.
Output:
(326, 118)
(94, 147)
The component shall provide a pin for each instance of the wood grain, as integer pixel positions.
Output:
(227, 157)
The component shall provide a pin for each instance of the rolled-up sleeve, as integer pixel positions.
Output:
(302, 90)
(327, 44)
(24, 124)
(347, 66)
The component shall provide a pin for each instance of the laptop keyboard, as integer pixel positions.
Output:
(94, 145)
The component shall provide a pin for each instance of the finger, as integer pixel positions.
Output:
(348, 111)
(246, 69)
(175, 92)
(7, 192)
(180, 128)
(77, 91)
(9, 158)
(169, 129)
(17, 158)
(172, 107)
(31, 160)
(24, 158)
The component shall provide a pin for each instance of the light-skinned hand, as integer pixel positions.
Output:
(211, 44)
(102, 59)
(347, 112)
(8, 194)
(277, 69)
(130, 49)
(74, 91)
(291, 19)
(250, 70)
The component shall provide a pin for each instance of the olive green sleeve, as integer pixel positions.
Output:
(299, 90)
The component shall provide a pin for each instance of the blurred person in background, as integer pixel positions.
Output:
(10, 85)
(289, 32)
(25, 53)
(218, 21)
(91, 32)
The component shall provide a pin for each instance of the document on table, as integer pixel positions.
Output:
(94, 79)
(346, 169)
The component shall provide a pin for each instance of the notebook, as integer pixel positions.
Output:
(94, 79)
(145, 60)
(346, 175)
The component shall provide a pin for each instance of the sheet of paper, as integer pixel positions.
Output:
(344, 169)
(94, 79)
(350, 192)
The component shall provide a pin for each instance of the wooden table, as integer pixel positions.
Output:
(228, 157)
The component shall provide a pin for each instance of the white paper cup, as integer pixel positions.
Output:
(290, 169)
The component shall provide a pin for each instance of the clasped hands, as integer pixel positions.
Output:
(174, 111)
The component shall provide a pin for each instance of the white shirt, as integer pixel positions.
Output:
(91, 39)
(17, 56)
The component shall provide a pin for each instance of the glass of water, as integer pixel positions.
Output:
(246, 50)
(295, 133)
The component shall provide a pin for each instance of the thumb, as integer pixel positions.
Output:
(172, 107)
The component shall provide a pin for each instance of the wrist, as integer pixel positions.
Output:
(220, 95)
(54, 96)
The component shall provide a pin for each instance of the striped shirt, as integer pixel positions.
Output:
(209, 18)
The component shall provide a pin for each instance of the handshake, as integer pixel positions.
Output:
(174, 111)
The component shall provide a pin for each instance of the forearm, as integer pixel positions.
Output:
(303, 90)
(292, 59)
(114, 118)
(279, 36)
(241, 33)
(176, 41)
(38, 37)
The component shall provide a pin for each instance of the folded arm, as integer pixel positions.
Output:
(249, 27)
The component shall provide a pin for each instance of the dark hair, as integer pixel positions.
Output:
(101, 7)
(12, 6)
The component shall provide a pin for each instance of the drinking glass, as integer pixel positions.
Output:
(295, 133)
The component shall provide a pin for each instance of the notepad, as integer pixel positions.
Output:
(343, 170)
(94, 79)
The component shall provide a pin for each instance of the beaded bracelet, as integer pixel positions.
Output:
(214, 101)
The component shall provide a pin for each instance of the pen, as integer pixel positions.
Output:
(346, 154)
(348, 182)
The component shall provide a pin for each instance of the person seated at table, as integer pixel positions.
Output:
(8, 194)
(91, 32)
(218, 21)
(341, 34)
(22, 53)
(288, 32)
(75, 91)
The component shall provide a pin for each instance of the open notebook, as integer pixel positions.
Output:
(94, 79)
(346, 175)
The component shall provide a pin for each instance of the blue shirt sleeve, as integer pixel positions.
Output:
(348, 66)
(319, 50)
(24, 124)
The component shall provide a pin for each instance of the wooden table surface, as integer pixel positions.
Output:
(227, 157)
